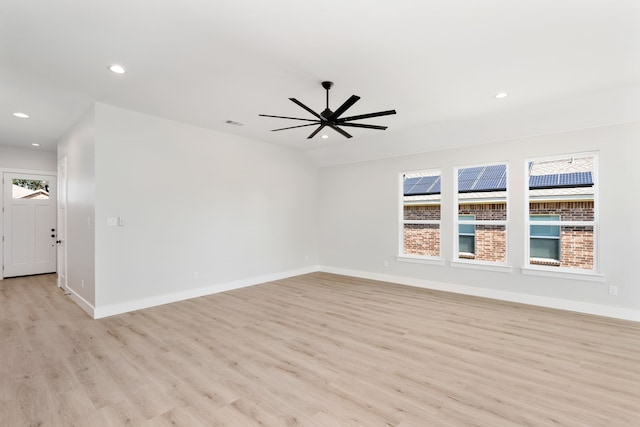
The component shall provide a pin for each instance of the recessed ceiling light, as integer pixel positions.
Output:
(21, 115)
(324, 136)
(35, 144)
(118, 69)
(501, 95)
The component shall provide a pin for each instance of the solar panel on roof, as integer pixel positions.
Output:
(488, 184)
(483, 178)
(408, 184)
(497, 171)
(543, 181)
(574, 179)
(466, 185)
(428, 179)
(436, 187)
(584, 178)
(469, 173)
(421, 186)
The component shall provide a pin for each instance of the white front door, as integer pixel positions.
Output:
(29, 220)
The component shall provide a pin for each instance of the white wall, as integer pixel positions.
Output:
(193, 200)
(78, 146)
(359, 221)
(31, 159)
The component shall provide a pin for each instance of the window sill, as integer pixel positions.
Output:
(479, 265)
(544, 261)
(589, 276)
(420, 259)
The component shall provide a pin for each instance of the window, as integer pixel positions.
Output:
(29, 189)
(420, 214)
(562, 218)
(466, 237)
(545, 239)
(481, 220)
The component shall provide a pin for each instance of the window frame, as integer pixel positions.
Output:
(402, 256)
(463, 223)
(557, 271)
(554, 237)
(458, 261)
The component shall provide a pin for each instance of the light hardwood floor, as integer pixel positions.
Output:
(315, 350)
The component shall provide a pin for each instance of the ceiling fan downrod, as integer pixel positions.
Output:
(327, 112)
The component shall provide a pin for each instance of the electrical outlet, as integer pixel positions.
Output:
(613, 290)
(82, 283)
(196, 275)
(386, 263)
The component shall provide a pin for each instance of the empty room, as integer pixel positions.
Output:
(347, 213)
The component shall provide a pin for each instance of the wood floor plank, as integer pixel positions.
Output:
(314, 350)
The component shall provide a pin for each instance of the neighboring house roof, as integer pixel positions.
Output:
(26, 193)
(564, 166)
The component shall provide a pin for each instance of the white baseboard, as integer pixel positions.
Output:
(558, 303)
(83, 303)
(125, 307)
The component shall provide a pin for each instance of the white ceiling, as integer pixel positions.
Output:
(204, 61)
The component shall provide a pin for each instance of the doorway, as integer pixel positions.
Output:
(29, 220)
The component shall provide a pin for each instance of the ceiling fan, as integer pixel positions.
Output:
(332, 119)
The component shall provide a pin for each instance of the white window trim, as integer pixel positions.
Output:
(501, 266)
(420, 259)
(565, 273)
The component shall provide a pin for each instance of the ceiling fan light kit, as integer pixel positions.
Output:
(333, 119)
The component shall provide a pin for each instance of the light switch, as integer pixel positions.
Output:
(112, 221)
(120, 221)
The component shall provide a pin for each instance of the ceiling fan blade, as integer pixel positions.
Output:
(293, 127)
(340, 131)
(361, 125)
(315, 132)
(344, 107)
(306, 108)
(366, 116)
(291, 118)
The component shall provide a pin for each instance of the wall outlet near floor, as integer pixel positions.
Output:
(196, 275)
(386, 263)
(613, 290)
(82, 283)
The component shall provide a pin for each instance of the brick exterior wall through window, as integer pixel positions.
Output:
(422, 239)
(490, 240)
(576, 243)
